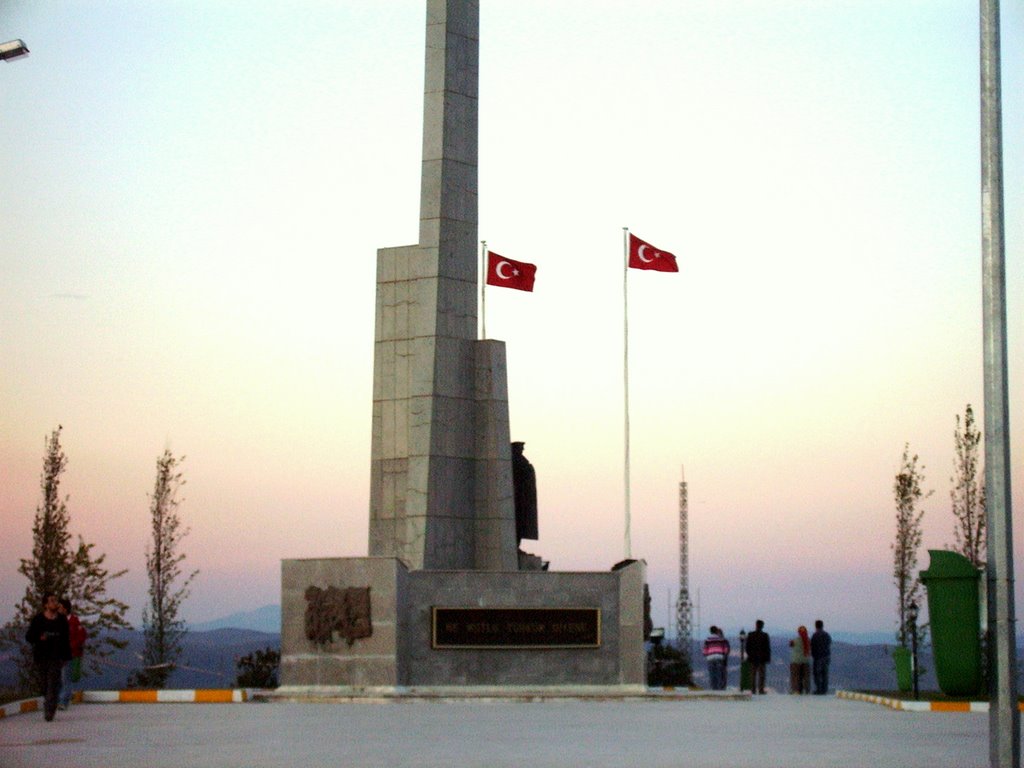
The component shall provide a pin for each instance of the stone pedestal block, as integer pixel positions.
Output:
(401, 652)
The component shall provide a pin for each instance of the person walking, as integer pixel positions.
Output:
(716, 653)
(821, 654)
(72, 672)
(48, 635)
(759, 654)
(799, 662)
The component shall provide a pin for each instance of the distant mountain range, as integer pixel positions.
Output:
(265, 619)
(268, 619)
(212, 649)
(210, 656)
(208, 660)
(863, 638)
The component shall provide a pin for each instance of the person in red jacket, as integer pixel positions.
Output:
(76, 637)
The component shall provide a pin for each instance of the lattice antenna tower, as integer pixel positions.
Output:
(684, 606)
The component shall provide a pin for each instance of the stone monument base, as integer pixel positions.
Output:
(370, 625)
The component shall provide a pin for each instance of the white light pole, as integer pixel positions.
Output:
(13, 49)
(1004, 716)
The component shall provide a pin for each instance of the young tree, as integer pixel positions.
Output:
(162, 628)
(66, 570)
(907, 492)
(968, 492)
(258, 669)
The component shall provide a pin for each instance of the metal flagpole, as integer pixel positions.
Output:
(625, 376)
(483, 288)
(1004, 716)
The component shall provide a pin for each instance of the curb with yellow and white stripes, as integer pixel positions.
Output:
(241, 695)
(184, 696)
(21, 707)
(918, 706)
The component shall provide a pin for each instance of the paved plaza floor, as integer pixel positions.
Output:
(768, 731)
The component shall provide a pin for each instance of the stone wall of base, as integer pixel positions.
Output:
(367, 662)
(399, 651)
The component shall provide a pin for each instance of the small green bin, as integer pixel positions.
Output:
(955, 620)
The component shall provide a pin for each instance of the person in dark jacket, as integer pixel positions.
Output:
(759, 654)
(821, 655)
(48, 635)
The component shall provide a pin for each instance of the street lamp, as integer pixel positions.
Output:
(744, 675)
(13, 49)
(912, 618)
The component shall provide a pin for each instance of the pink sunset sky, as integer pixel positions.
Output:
(194, 195)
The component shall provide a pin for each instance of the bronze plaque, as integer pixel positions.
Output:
(516, 628)
(342, 611)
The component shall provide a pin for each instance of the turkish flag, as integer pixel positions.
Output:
(507, 273)
(645, 256)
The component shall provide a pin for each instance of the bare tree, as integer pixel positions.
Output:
(163, 629)
(968, 492)
(908, 493)
(67, 570)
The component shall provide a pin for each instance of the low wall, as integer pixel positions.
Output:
(400, 650)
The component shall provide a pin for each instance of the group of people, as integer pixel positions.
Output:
(809, 656)
(58, 639)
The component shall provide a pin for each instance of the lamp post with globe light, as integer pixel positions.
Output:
(745, 681)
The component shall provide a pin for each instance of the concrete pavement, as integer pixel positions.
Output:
(773, 730)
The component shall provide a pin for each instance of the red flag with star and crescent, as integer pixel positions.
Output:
(508, 273)
(643, 255)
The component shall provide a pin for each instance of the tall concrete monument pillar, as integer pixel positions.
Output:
(441, 599)
(441, 479)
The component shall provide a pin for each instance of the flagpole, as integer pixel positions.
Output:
(625, 379)
(483, 287)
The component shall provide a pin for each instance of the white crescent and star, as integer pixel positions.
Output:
(498, 270)
(644, 259)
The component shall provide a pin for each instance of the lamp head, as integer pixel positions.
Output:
(13, 49)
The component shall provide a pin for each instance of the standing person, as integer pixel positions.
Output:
(71, 673)
(759, 654)
(716, 653)
(821, 653)
(48, 636)
(799, 662)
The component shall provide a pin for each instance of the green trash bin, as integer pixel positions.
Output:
(953, 610)
(904, 668)
(746, 676)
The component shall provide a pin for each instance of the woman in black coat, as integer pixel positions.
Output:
(51, 647)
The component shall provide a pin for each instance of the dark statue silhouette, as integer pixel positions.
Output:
(524, 485)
